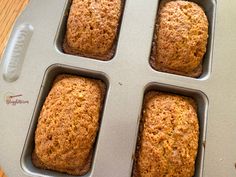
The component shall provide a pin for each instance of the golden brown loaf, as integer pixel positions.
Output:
(92, 28)
(180, 38)
(168, 137)
(68, 125)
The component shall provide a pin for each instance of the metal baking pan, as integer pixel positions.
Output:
(34, 57)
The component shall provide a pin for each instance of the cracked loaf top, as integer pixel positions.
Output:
(168, 136)
(68, 125)
(180, 38)
(92, 28)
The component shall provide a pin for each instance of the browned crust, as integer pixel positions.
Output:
(161, 67)
(195, 73)
(73, 170)
(148, 97)
(111, 52)
(67, 49)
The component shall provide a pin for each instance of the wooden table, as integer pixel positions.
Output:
(2, 173)
(9, 10)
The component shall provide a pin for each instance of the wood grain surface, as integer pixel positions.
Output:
(9, 10)
(2, 173)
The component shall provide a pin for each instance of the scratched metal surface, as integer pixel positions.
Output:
(37, 58)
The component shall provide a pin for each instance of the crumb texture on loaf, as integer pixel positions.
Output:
(180, 38)
(68, 125)
(168, 137)
(92, 28)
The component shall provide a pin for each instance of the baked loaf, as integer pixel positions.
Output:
(180, 38)
(92, 28)
(168, 137)
(68, 125)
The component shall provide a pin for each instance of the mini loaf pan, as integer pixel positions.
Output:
(54, 70)
(50, 74)
(128, 77)
(209, 7)
(202, 109)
